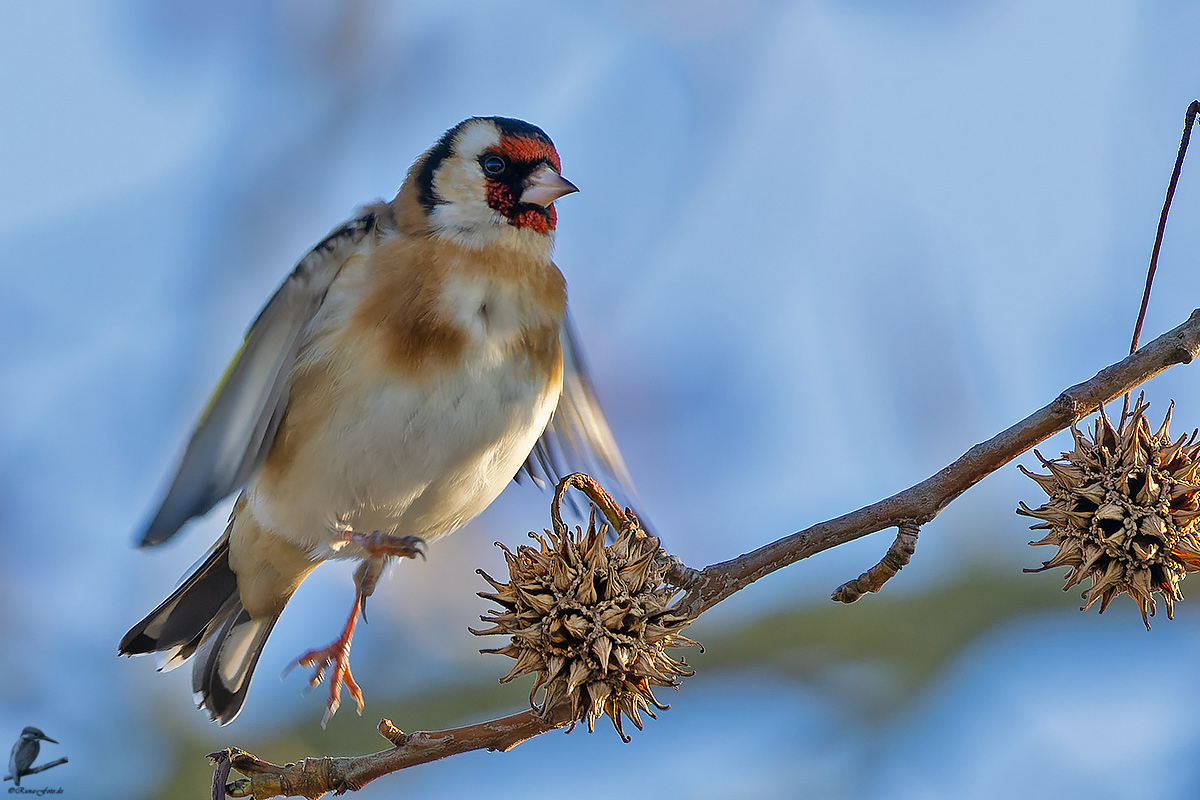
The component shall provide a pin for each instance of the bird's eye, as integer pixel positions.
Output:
(494, 165)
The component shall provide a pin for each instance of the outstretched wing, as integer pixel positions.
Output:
(237, 427)
(577, 438)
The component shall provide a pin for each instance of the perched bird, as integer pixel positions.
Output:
(25, 752)
(410, 366)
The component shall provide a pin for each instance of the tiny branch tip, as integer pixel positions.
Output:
(390, 732)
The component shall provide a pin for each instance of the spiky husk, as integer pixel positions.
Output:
(593, 622)
(1123, 511)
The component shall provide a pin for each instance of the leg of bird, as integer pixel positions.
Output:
(381, 548)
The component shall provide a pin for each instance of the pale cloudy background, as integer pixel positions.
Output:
(821, 248)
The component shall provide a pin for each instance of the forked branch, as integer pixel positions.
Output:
(921, 503)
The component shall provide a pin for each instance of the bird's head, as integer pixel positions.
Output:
(33, 734)
(491, 180)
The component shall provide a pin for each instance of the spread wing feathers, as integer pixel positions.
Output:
(577, 438)
(237, 427)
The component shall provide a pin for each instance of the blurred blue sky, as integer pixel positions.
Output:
(821, 248)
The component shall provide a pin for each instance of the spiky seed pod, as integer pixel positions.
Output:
(593, 622)
(1123, 511)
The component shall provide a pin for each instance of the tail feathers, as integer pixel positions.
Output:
(204, 617)
(184, 619)
(223, 668)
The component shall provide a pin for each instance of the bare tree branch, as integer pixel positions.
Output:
(41, 768)
(314, 777)
(923, 502)
(705, 588)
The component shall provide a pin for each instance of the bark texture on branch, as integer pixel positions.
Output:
(313, 777)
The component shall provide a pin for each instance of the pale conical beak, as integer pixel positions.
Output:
(545, 186)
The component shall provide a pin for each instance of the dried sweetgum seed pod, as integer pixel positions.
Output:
(1122, 509)
(591, 622)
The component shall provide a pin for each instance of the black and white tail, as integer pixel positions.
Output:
(204, 617)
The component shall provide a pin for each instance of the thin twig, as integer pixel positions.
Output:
(912, 507)
(894, 560)
(1188, 120)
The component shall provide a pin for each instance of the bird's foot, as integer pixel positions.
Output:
(381, 548)
(384, 546)
(334, 658)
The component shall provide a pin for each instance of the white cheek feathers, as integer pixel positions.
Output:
(475, 210)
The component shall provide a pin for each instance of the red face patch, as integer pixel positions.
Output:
(502, 195)
(541, 220)
(526, 150)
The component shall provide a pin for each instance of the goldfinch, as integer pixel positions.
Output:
(411, 365)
